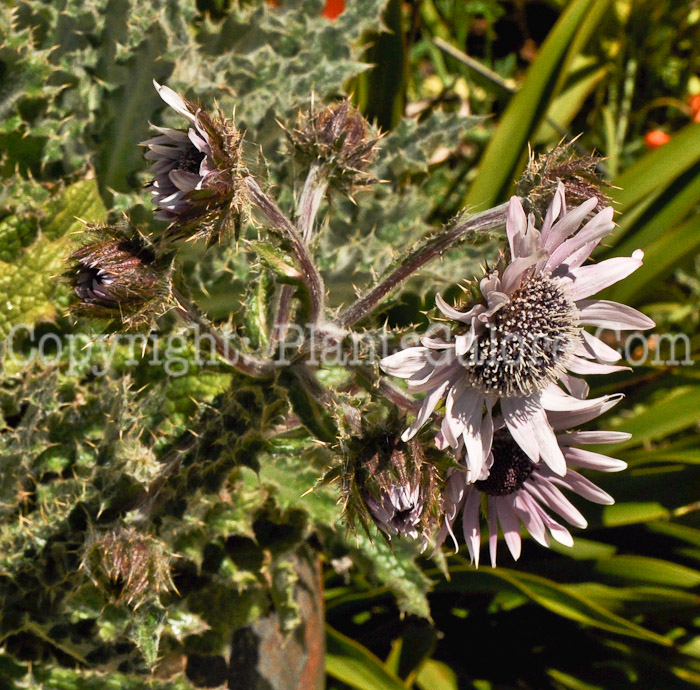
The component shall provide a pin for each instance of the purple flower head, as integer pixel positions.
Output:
(513, 490)
(523, 338)
(195, 171)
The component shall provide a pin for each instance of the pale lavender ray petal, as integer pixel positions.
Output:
(559, 532)
(584, 487)
(596, 348)
(509, 526)
(158, 151)
(588, 460)
(594, 437)
(517, 268)
(585, 367)
(183, 180)
(591, 233)
(493, 531)
(554, 399)
(569, 420)
(528, 425)
(435, 343)
(470, 524)
(474, 447)
(200, 144)
(529, 516)
(517, 413)
(568, 224)
(174, 100)
(451, 313)
(516, 226)
(553, 211)
(446, 435)
(550, 496)
(459, 406)
(464, 342)
(612, 315)
(587, 280)
(404, 363)
(429, 403)
(577, 387)
(175, 134)
(425, 380)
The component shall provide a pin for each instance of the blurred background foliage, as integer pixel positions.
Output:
(460, 88)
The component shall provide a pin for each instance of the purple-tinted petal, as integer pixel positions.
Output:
(568, 224)
(594, 437)
(509, 526)
(529, 516)
(555, 208)
(584, 367)
(451, 313)
(516, 226)
(183, 180)
(493, 532)
(577, 387)
(587, 237)
(174, 100)
(584, 487)
(550, 496)
(405, 362)
(569, 420)
(588, 460)
(470, 524)
(517, 268)
(587, 280)
(517, 413)
(596, 348)
(612, 315)
(428, 405)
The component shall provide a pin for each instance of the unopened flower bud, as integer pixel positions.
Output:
(135, 563)
(578, 174)
(337, 140)
(119, 276)
(196, 171)
(391, 483)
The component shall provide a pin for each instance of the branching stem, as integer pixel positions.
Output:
(490, 220)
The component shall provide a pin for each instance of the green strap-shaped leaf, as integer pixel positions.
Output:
(351, 663)
(501, 160)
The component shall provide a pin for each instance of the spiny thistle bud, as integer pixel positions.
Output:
(196, 172)
(119, 276)
(136, 563)
(391, 483)
(337, 140)
(578, 174)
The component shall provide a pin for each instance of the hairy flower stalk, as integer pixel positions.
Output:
(513, 490)
(119, 276)
(523, 338)
(488, 221)
(196, 172)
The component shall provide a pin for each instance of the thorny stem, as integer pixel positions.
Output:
(389, 390)
(492, 219)
(311, 276)
(247, 364)
(309, 202)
